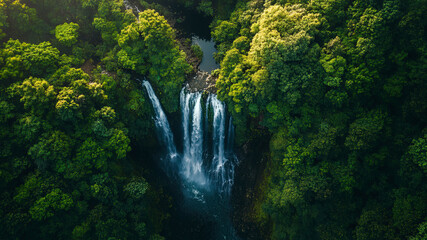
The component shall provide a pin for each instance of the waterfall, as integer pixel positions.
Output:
(206, 163)
(220, 168)
(185, 108)
(192, 164)
(165, 134)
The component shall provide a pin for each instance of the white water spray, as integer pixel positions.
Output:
(206, 164)
(216, 166)
(192, 157)
(165, 134)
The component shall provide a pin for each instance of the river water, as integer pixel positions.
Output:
(208, 47)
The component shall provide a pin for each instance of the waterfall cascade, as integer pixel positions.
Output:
(192, 157)
(222, 168)
(164, 131)
(206, 164)
(199, 164)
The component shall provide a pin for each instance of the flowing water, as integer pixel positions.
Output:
(164, 132)
(205, 165)
(192, 157)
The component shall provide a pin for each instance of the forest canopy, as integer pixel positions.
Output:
(71, 112)
(336, 87)
(340, 87)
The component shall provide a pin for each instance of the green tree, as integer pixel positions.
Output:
(418, 152)
(89, 158)
(148, 46)
(3, 19)
(52, 149)
(67, 33)
(363, 131)
(36, 94)
(136, 188)
(21, 60)
(47, 206)
(422, 232)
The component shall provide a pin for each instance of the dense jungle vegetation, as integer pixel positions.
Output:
(341, 87)
(338, 87)
(71, 113)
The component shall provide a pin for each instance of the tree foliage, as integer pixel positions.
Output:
(67, 33)
(69, 114)
(337, 85)
(157, 56)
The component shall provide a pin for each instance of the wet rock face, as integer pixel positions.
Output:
(202, 81)
(248, 176)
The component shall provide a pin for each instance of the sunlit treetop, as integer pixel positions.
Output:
(67, 33)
